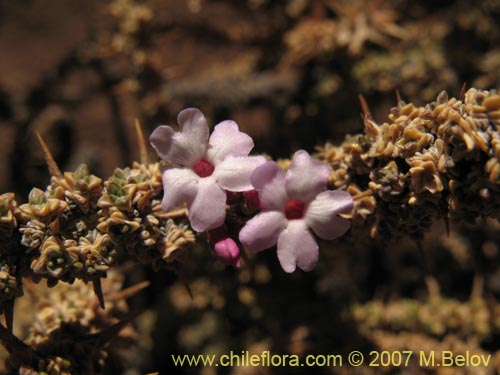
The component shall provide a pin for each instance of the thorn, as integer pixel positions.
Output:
(182, 279)
(364, 106)
(371, 127)
(108, 334)
(9, 315)
(143, 151)
(398, 96)
(128, 292)
(49, 159)
(463, 90)
(11, 343)
(98, 292)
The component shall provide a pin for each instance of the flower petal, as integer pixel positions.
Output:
(321, 215)
(269, 180)
(208, 209)
(187, 146)
(179, 186)
(161, 140)
(297, 247)
(306, 177)
(226, 139)
(262, 231)
(234, 172)
(193, 125)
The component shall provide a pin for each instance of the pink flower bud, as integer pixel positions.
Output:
(228, 252)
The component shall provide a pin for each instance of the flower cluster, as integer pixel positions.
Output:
(209, 173)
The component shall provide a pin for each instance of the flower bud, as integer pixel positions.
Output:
(228, 252)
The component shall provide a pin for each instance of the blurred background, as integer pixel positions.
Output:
(289, 72)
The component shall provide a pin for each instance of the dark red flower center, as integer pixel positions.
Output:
(252, 202)
(203, 168)
(294, 209)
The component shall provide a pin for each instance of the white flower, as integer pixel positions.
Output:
(202, 168)
(292, 203)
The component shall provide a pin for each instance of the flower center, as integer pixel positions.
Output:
(203, 168)
(294, 209)
(251, 198)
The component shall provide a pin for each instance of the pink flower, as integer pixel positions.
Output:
(202, 168)
(294, 202)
